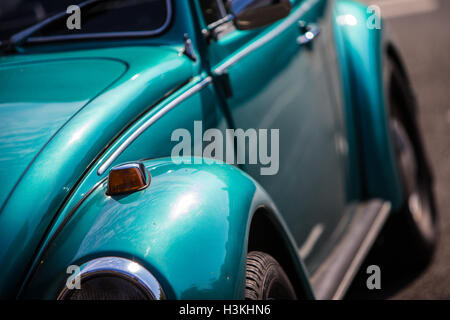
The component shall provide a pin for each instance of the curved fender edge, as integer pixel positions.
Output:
(189, 228)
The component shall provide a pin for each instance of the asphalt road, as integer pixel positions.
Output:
(422, 31)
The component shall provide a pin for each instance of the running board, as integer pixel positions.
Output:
(334, 276)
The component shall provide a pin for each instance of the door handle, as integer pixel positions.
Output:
(310, 31)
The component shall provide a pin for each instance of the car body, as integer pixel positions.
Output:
(73, 109)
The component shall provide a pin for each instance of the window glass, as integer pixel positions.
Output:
(103, 17)
(213, 10)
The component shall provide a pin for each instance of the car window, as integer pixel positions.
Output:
(213, 10)
(111, 16)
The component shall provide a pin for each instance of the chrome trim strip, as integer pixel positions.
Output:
(311, 240)
(199, 86)
(292, 18)
(100, 35)
(218, 23)
(124, 267)
(362, 251)
(363, 222)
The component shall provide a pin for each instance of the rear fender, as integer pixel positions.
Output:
(361, 51)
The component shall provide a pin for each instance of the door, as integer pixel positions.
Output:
(273, 80)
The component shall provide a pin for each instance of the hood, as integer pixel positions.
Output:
(36, 100)
(58, 112)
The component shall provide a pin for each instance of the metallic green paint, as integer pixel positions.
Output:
(361, 52)
(288, 89)
(190, 227)
(187, 228)
(50, 177)
(37, 98)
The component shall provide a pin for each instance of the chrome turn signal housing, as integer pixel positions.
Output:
(128, 178)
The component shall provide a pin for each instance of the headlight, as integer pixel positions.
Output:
(114, 278)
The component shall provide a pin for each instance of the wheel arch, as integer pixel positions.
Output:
(280, 246)
(189, 228)
(400, 88)
(393, 53)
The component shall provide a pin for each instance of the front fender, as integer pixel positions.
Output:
(189, 228)
(361, 51)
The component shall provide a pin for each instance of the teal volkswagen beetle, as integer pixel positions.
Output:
(303, 142)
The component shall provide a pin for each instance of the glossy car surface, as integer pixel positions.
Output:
(71, 110)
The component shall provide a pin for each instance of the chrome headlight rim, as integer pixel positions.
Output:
(119, 267)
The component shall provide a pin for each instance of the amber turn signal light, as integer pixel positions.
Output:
(128, 178)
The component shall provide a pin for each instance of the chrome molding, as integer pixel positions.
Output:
(196, 88)
(362, 251)
(292, 18)
(220, 22)
(123, 267)
(335, 274)
(100, 35)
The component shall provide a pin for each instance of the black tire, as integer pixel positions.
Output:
(411, 232)
(266, 279)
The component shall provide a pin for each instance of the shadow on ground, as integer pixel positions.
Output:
(396, 274)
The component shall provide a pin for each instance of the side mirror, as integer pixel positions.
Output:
(251, 14)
